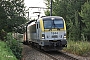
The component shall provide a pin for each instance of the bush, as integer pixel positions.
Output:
(3, 35)
(78, 47)
(15, 46)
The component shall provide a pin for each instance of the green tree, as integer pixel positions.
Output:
(85, 14)
(11, 14)
(3, 18)
(69, 10)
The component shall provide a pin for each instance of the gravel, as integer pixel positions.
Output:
(32, 54)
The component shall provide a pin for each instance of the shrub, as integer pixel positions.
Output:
(15, 46)
(3, 35)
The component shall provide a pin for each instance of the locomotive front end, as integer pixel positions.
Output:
(53, 33)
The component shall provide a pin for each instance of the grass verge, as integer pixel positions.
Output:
(81, 48)
(5, 52)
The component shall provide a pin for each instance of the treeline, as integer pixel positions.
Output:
(12, 14)
(76, 14)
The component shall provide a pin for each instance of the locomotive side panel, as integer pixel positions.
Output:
(31, 32)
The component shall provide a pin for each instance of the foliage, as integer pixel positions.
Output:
(5, 52)
(47, 13)
(3, 35)
(11, 14)
(69, 10)
(3, 17)
(78, 47)
(15, 46)
(85, 14)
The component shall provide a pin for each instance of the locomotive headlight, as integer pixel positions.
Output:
(64, 35)
(43, 36)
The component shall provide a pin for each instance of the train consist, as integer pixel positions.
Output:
(47, 33)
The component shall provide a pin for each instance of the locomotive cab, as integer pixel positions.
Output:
(53, 33)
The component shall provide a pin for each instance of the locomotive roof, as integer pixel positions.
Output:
(49, 17)
(32, 23)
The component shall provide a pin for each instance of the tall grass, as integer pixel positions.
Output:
(81, 48)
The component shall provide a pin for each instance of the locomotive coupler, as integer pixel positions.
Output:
(55, 43)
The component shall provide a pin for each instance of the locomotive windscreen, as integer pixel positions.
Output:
(55, 23)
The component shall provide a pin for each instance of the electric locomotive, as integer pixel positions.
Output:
(48, 33)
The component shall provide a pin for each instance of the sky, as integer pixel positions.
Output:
(35, 3)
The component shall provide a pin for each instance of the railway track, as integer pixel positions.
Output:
(59, 55)
(56, 55)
